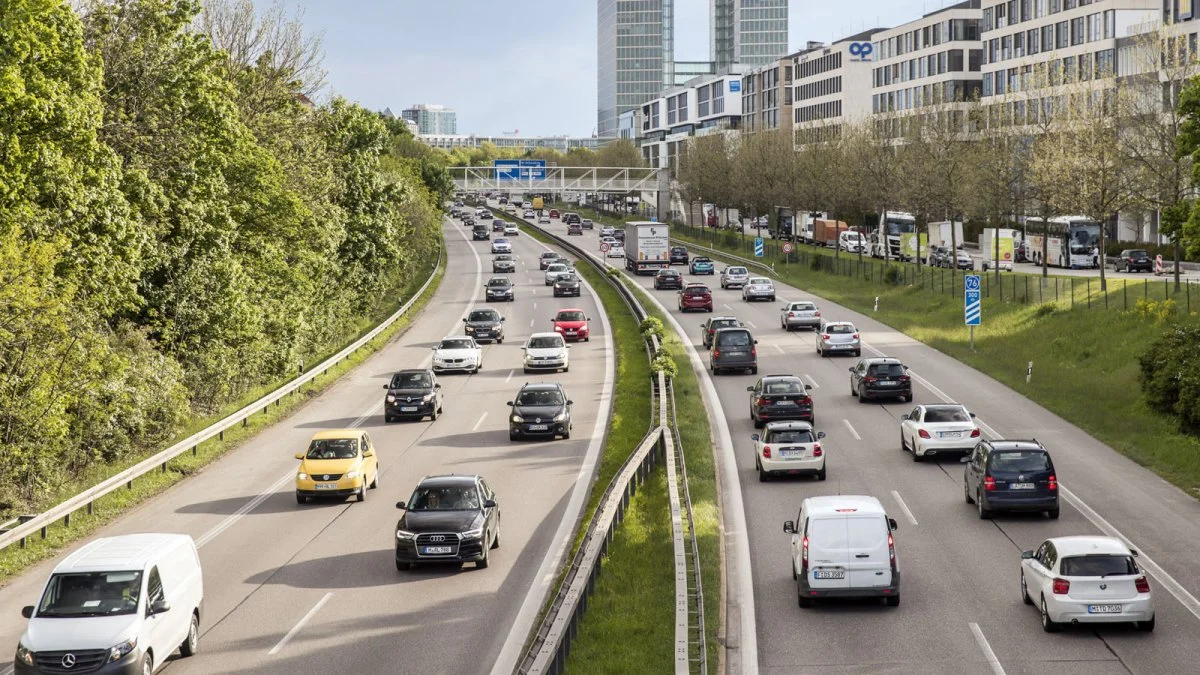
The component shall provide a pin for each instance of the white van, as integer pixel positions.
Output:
(117, 605)
(842, 547)
(852, 242)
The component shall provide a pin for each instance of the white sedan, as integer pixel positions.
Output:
(555, 271)
(544, 219)
(617, 251)
(1086, 579)
(511, 230)
(789, 447)
(611, 241)
(936, 430)
(546, 351)
(457, 352)
(528, 214)
(501, 246)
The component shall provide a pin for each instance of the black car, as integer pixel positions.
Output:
(619, 235)
(503, 262)
(414, 394)
(497, 225)
(547, 258)
(485, 324)
(880, 377)
(1010, 476)
(937, 256)
(566, 285)
(540, 410)
(1134, 260)
(780, 397)
(679, 255)
(710, 328)
(499, 289)
(448, 519)
(480, 233)
(668, 278)
(571, 218)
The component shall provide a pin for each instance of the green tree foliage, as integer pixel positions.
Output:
(1171, 375)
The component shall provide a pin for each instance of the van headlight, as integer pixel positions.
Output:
(24, 655)
(352, 474)
(122, 650)
(560, 417)
(301, 476)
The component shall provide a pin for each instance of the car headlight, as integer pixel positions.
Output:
(558, 328)
(470, 329)
(122, 650)
(24, 655)
(301, 476)
(391, 399)
(473, 534)
(427, 398)
(517, 419)
(528, 359)
(404, 534)
(560, 417)
(351, 474)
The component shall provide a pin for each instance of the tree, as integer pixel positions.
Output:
(764, 171)
(620, 153)
(705, 167)
(996, 180)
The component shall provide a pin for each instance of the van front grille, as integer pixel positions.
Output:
(82, 661)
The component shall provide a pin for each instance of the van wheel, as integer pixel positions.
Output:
(892, 600)
(147, 664)
(804, 601)
(192, 644)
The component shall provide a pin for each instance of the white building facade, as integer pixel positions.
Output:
(831, 87)
(704, 105)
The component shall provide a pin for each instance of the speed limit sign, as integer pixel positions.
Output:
(787, 247)
(604, 246)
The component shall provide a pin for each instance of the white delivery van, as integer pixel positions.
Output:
(117, 605)
(842, 547)
(852, 242)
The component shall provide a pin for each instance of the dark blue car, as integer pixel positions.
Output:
(702, 266)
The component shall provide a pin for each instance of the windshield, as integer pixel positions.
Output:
(760, 281)
(498, 282)
(548, 255)
(737, 270)
(783, 387)
(483, 315)
(839, 329)
(570, 316)
(457, 344)
(502, 257)
(900, 226)
(947, 414)
(465, 498)
(1097, 565)
(734, 338)
(333, 448)
(723, 323)
(556, 267)
(789, 436)
(547, 342)
(1020, 461)
(411, 381)
(91, 594)
(544, 397)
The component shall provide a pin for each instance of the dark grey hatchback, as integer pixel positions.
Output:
(1010, 476)
(880, 377)
(540, 411)
(733, 349)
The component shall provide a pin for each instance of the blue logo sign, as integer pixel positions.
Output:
(519, 169)
(861, 51)
(735, 85)
(758, 247)
(972, 300)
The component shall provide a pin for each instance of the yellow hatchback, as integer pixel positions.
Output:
(338, 463)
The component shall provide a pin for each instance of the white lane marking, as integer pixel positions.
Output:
(510, 374)
(727, 307)
(780, 349)
(531, 321)
(853, 432)
(904, 507)
(481, 419)
(303, 620)
(751, 324)
(7, 671)
(535, 305)
(988, 654)
(812, 381)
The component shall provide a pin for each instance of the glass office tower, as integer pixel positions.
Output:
(635, 50)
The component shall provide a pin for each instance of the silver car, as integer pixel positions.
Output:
(758, 288)
(795, 315)
(734, 276)
(556, 270)
(838, 337)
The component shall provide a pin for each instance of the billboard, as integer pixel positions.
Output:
(908, 244)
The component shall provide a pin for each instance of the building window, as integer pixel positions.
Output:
(1063, 37)
(1077, 31)
(956, 60)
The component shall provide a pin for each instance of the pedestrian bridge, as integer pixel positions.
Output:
(585, 179)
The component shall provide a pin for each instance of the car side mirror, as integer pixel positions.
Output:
(850, 369)
(489, 504)
(749, 388)
(27, 611)
(972, 415)
(501, 319)
(401, 505)
(387, 386)
(509, 403)
(1026, 555)
(807, 387)
(756, 342)
(438, 385)
(789, 527)
(754, 437)
(892, 524)
(299, 455)
(464, 319)
(820, 435)
(570, 402)
(964, 460)
(904, 417)
(1134, 552)
(588, 318)
(369, 453)
(159, 606)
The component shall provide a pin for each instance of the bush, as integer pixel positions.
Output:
(1156, 311)
(1044, 310)
(651, 326)
(893, 275)
(1170, 375)
(816, 263)
(664, 363)
(1167, 251)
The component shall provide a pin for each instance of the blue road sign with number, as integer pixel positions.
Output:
(758, 247)
(520, 169)
(972, 300)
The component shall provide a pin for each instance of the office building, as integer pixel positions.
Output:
(635, 56)
(685, 71)
(431, 119)
(750, 33)
(831, 86)
(708, 104)
(560, 143)
(767, 96)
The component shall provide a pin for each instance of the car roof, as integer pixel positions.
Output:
(838, 323)
(887, 360)
(836, 504)
(549, 254)
(1002, 445)
(458, 337)
(793, 425)
(696, 284)
(780, 376)
(1086, 544)
(568, 309)
(447, 480)
(723, 318)
(338, 433)
(545, 334)
(542, 386)
(491, 279)
(121, 553)
(412, 371)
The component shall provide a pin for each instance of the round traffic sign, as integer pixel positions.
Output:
(604, 246)
(787, 247)
(972, 282)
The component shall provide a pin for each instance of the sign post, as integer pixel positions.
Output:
(972, 304)
(758, 247)
(787, 252)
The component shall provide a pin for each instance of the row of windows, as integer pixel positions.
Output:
(1052, 73)
(950, 61)
(925, 95)
(817, 66)
(1016, 11)
(826, 87)
(950, 30)
(715, 93)
(819, 111)
(1077, 31)
(638, 5)
(822, 134)
(750, 13)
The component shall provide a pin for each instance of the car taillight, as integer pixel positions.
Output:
(791, 315)
(817, 452)
(766, 451)
(1053, 482)
(824, 337)
(804, 556)
(716, 353)
(924, 434)
(816, 313)
(1143, 585)
(904, 378)
(869, 379)
(989, 483)
(974, 433)
(763, 400)
(855, 336)
(892, 551)
(754, 351)
(1061, 586)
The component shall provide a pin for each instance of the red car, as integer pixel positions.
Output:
(572, 324)
(695, 296)
(553, 213)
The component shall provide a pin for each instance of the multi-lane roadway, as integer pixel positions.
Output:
(313, 588)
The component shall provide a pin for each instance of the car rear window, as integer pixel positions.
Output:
(734, 338)
(840, 329)
(946, 415)
(760, 281)
(785, 387)
(1020, 460)
(738, 270)
(803, 307)
(1138, 254)
(1097, 565)
(695, 291)
(886, 370)
(790, 436)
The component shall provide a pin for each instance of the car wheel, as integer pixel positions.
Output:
(512, 436)
(984, 512)
(403, 566)
(1128, 269)
(892, 600)
(758, 424)
(567, 436)
(915, 456)
(434, 415)
(375, 480)
(566, 369)
(858, 352)
(862, 398)
(903, 445)
(192, 643)
(482, 563)
(147, 665)
(1053, 514)
(362, 493)
(526, 370)
(762, 475)
(853, 391)
(794, 575)
(908, 399)
(967, 494)
(387, 419)
(820, 352)
(754, 370)
(301, 499)
(822, 474)
(1048, 624)
(1146, 626)
(499, 341)
(1025, 591)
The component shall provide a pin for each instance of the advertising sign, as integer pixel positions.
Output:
(652, 242)
(908, 244)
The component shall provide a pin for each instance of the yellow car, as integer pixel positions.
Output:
(338, 463)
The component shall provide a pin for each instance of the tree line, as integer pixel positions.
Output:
(180, 224)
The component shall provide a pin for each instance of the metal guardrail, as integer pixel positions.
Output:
(87, 498)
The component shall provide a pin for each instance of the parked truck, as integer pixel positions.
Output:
(646, 247)
(939, 233)
(827, 232)
(886, 239)
(804, 224)
(1003, 259)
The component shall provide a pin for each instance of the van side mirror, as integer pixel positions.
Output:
(27, 611)
(789, 526)
(972, 415)
(489, 504)
(820, 435)
(401, 505)
(1026, 555)
(159, 606)
(892, 524)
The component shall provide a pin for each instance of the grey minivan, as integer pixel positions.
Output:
(733, 349)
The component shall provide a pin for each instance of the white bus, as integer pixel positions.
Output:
(1071, 241)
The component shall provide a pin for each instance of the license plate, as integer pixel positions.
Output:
(437, 550)
(786, 403)
(735, 353)
(791, 454)
(829, 574)
(887, 383)
(538, 427)
(948, 434)
(1020, 486)
(326, 486)
(838, 346)
(408, 408)
(1104, 609)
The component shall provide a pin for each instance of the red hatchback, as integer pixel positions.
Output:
(553, 213)
(695, 296)
(572, 324)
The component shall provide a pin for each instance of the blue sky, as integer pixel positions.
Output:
(527, 65)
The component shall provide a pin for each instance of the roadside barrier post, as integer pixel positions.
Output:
(1029, 372)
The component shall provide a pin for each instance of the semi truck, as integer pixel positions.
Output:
(1006, 256)
(646, 247)
(885, 239)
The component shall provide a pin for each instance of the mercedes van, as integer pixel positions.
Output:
(842, 547)
(117, 605)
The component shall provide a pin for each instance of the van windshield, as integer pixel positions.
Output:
(91, 594)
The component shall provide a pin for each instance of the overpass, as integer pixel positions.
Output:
(563, 179)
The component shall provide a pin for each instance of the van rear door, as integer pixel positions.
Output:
(867, 557)
(827, 554)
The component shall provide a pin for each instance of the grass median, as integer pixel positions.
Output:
(15, 558)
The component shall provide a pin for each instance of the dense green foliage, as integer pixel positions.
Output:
(177, 228)
(1171, 375)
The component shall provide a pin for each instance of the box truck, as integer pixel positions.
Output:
(827, 232)
(939, 233)
(646, 247)
(987, 247)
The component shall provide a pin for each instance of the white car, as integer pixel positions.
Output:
(611, 241)
(789, 447)
(510, 208)
(1086, 579)
(457, 352)
(734, 276)
(758, 288)
(511, 230)
(936, 430)
(501, 246)
(546, 351)
(556, 270)
(544, 219)
(529, 214)
(606, 232)
(617, 251)
(527, 205)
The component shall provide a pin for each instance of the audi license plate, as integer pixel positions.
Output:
(538, 427)
(829, 574)
(791, 454)
(436, 550)
(1104, 609)
(408, 408)
(1020, 486)
(326, 486)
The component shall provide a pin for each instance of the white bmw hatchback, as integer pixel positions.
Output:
(1085, 579)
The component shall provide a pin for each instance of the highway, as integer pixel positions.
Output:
(313, 588)
(961, 610)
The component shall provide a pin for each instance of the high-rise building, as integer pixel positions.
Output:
(752, 33)
(635, 56)
(431, 119)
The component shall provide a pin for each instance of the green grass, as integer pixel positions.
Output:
(14, 559)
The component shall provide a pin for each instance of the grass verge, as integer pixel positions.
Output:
(15, 559)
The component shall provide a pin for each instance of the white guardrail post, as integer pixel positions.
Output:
(64, 510)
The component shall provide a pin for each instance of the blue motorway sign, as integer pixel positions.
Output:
(972, 300)
(758, 247)
(520, 169)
